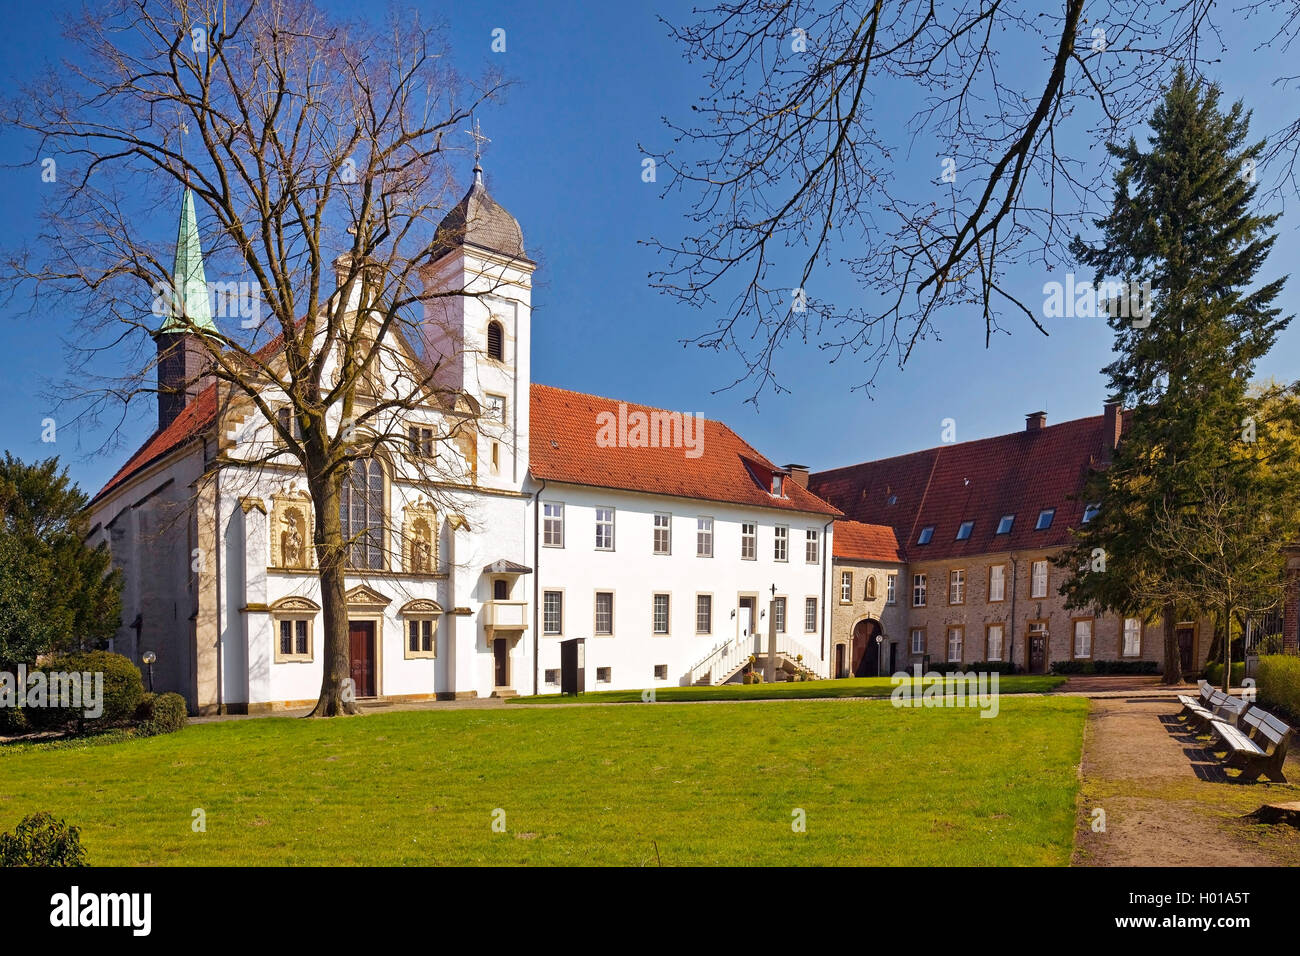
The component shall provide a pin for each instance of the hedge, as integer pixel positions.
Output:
(1278, 684)
(1214, 673)
(1104, 667)
(160, 714)
(123, 690)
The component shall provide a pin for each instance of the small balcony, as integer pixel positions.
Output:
(505, 616)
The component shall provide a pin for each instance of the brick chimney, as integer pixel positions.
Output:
(798, 474)
(1035, 421)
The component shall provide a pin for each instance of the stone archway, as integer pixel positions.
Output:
(864, 658)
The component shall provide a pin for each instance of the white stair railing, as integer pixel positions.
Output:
(725, 659)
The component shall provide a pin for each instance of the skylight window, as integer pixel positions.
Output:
(1005, 523)
(1090, 511)
(1045, 519)
(892, 500)
(963, 532)
(926, 534)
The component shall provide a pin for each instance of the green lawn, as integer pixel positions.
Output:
(782, 690)
(581, 785)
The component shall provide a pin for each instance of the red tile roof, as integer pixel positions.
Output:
(1021, 473)
(197, 416)
(855, 541)
(563, 447)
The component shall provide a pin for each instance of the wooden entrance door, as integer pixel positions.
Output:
(866, 652)
(1036, 649)
(501, 662)
(1186, 636)
(361, 638)
(839, 661)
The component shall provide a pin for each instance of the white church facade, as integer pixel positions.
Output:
(472, 557)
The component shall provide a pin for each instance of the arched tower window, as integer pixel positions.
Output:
(496, 341)
(361, 512)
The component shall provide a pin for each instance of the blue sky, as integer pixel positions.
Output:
(592, 81)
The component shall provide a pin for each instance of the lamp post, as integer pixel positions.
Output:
(880, 639)
(149, 657)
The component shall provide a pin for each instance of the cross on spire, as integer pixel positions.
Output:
(479, 139)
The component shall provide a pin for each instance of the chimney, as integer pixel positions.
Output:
(1035, 421)
(798, 474)
(1113, 419)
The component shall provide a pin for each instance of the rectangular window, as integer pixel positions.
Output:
(926, 534)
(918, 590)
(295, 640)
(552, 675)
(552, 612)
(420, 637)
(663, 534)
(1038, 580)
(1045, 519)
(704, 537)
(964, 530)
(781, 543)
(998, 582)
(704, 614)
(288, 422)
(994, 650)
(846, 587)
(1005, 523)
(891, 588)
(1083, 638)
(604, 529)
(954, 645)
(494, 409)
(661, 672)
(420, 441)
(778, 612)
(1132, 637)
(918, 640)
(604, 613)
(661, 614)
(810, 615)
(603, 675)
(748, 541)
(811, 550)
(957, 586)
(553, 524)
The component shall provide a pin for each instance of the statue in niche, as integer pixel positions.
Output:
(421, 556)
(291, 541)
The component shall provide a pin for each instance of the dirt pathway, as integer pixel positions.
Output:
(1166, 800)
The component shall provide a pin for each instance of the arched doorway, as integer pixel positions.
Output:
(865, 654)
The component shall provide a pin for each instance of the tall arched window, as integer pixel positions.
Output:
(496, 341)
(361, 512)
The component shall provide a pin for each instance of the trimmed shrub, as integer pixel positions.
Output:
(1214, 673)
(1278, 684)
(123, 690)
(1104, 667)
(160, 714)
(946, 667)
(40, 840)
(13, 722)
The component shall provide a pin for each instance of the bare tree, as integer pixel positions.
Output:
(312, 145)
(792, 170)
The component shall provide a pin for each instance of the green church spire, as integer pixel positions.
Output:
(189, 282)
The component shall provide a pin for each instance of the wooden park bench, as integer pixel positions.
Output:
(1258, 746)
(1200, 703)
(1202, 715)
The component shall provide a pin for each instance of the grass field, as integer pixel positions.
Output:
(784, 690)
(671, 783)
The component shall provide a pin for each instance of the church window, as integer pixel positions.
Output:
(361, 513)
(496, 341)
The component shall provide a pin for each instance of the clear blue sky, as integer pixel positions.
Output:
(593, 80)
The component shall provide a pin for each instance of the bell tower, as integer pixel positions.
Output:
(182, 360)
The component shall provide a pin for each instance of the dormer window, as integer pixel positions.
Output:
(1045, 519)
(1090, 511)
(496, 344)
(926, 534)
(964, 530)
(778, 485)
(1005, 524)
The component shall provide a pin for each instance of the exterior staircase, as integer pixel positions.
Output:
(728, 658)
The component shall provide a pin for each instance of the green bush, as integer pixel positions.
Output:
(40, 840)
(1278, 684)
(123, 690)
(13, 721)
(160, 714)
(1269, 644)
(1214, 673)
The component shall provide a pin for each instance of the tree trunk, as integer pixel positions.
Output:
(1227, 648)
(337, 693)
(1173, 660)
